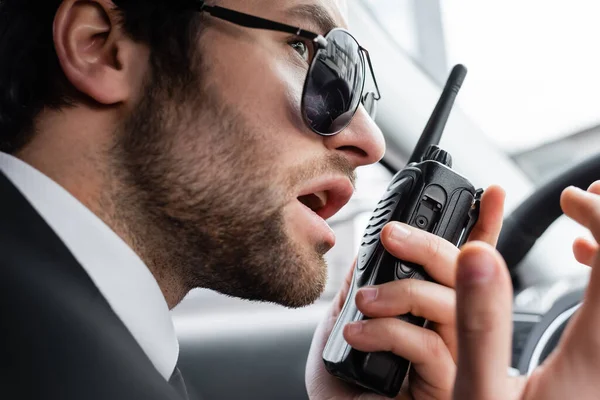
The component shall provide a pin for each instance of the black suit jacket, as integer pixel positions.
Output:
(59, 338)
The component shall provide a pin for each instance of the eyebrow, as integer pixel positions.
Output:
(316, 15)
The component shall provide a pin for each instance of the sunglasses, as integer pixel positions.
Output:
(334, 85)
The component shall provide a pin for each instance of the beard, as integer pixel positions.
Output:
(197, 199)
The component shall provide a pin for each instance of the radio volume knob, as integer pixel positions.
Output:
(441, 156)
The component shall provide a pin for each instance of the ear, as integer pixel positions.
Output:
(96, 56)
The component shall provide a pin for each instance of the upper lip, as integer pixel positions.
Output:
(338, 189)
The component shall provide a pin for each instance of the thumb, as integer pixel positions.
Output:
(484, 323)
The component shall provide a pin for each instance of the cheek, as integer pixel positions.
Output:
(272, 98)
(293, 94)
(262, 85)
(259, 80)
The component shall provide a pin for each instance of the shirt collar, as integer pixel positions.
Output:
(120, 275)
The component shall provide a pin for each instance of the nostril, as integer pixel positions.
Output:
(353, 150)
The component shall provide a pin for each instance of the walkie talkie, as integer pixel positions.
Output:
(426, 194)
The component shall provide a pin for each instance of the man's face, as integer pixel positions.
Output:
(227, 185)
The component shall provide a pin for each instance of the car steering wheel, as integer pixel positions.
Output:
(520, 231)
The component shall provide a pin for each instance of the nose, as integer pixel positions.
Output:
(362, 142)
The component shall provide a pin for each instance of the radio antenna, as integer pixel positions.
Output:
(437, 122)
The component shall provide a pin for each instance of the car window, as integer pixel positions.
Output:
(534, 92)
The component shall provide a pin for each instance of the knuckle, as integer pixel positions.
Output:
(483, 231)
(433, 245)
(383, 333)
(449, 311)
(408, 289)
(433, 344)
(411, 295)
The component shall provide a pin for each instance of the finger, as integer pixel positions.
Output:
(594, 188)
(423, 347)
(577, 357)
(429, 300)
(587, 331)
(484, 299)
(342, 294)
(583, 207)
(436, 255)
(489, 224)
(585, 251)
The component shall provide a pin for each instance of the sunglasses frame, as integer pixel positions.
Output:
(320, 43)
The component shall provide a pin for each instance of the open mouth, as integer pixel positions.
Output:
(327, 196)
(314, 201)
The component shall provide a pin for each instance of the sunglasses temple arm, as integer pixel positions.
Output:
(251, 21)
(372, 73)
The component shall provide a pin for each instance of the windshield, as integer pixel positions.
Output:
(534, 69)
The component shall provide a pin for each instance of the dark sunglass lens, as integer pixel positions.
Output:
(334, 84)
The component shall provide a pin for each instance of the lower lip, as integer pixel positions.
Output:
(318, 227)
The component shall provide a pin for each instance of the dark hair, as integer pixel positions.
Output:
(31, 77)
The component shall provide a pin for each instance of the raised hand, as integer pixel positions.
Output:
(484, 299)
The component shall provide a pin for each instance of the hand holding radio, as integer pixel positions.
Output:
(377, 331)
(384, 332)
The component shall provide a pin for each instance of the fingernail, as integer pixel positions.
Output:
(368, 294)
(399, 232)
(476, 267)
(354, 328)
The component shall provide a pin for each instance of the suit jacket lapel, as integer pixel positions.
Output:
(60, 337)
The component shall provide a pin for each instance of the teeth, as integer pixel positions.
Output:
(322, 196)
(314, 201)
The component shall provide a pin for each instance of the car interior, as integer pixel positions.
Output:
(525, 120)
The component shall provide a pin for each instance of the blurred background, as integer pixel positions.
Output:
(530, 59)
